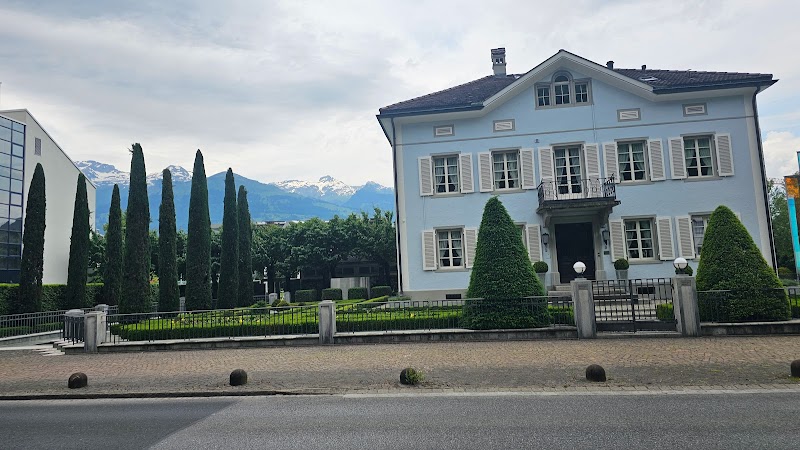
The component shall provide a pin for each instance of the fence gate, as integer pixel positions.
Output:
(634, 305)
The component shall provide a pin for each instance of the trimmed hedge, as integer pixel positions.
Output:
(54, 296)
(357, 292)
(785, 272)
(381, 291)
(496, 314)
(730, 260)
(540, 267)
(332, 294)
(665, 311)
(305, 295)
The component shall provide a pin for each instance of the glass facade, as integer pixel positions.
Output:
(12, 157)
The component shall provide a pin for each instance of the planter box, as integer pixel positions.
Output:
(622, 274)
(542, 278)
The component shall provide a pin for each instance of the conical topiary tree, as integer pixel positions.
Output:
(245, 250)
(32, 265)
(112, 275)
(229, 256)
(198, 241)
(168, 294)
(136, 267)
(731, 261)
(502, 275)
(75, 294)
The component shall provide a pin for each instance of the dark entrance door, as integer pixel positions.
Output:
(574, 242)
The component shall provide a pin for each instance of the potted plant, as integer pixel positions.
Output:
(687, 271)
(541, 267)
(621, 265)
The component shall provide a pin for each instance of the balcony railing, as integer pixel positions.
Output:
(581, 189)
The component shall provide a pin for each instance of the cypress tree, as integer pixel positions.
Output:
(136, 270)
(168, 295)
(32, 265)
(75, 294)
(502, 275)
(245, 250)
(198, 241)
(229, 256)
(112, 276)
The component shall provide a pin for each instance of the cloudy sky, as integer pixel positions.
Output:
(290, 89)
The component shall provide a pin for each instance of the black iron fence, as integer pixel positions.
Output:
(749, 305)
(576, 189)
(407, 315)
(634, 305)
(29, 323)
(227, 323)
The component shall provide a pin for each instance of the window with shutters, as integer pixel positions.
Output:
(699, 225)
(631, 160)
(450, 248)
(698, 153)
(568, 170)
(505, 168)
(445, 174)
(563, 91)
(639, 239)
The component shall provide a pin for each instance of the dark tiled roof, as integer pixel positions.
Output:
(667, 80)
(459, 97)
(470, 95)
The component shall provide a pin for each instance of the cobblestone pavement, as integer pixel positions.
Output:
(631, 363)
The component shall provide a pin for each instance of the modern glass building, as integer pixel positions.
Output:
(12, 171)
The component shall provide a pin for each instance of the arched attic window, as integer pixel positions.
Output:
(563, 90)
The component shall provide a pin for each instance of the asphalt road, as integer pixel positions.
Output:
(689, 420)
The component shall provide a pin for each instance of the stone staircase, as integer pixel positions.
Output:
(560, 290)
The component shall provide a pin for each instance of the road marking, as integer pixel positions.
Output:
(667, 391)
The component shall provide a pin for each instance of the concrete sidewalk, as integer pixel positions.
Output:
(631, 364)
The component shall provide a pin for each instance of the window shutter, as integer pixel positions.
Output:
(425, 176)
(534, 234)
(616, 230)
(465, 167)
(526, 158)
(485, 171)
(656, 154)
(546, 164)
(470, 242)
(685, 237)
(676, 157)
(724, 155)
(666, 248)
(610, 156)
(591, 155)
(428, 250)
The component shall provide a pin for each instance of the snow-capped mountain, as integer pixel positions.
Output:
(326, 188)
(105, 174)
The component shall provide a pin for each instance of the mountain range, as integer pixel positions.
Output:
(279, 201)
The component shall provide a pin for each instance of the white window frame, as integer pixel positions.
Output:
(547, 99)
(506, 171)
(628, 143)
(582, 177)
(703, 219)
(450, 239)
(436, 184)
(639, 239)
(712, 155)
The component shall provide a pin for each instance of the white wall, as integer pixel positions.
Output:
(61, 176)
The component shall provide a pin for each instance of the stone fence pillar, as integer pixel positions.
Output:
(94, 330)
(684, 305)
(327, 321)
(583, 304)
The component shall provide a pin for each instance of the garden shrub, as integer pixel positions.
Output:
(305, 295)
(540, 267)
(665, 311)
(411, 376)
(357, 292)
(731, 261)
(785, 272)
(621, 264)
(8, 294)
(686, 271)
(380, 291)
(502, 275)
(332, 294)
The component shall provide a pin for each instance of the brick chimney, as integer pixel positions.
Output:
(499, 61)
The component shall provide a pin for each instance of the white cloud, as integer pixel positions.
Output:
(780, 153)
(289, 89)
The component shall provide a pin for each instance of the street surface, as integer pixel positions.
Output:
(729, 420)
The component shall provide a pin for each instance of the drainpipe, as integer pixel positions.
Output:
(764, 181)
(397, 212)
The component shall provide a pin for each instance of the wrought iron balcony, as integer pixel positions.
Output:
(577, 193)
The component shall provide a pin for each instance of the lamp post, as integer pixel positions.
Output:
(680, 264)
(579, 268)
